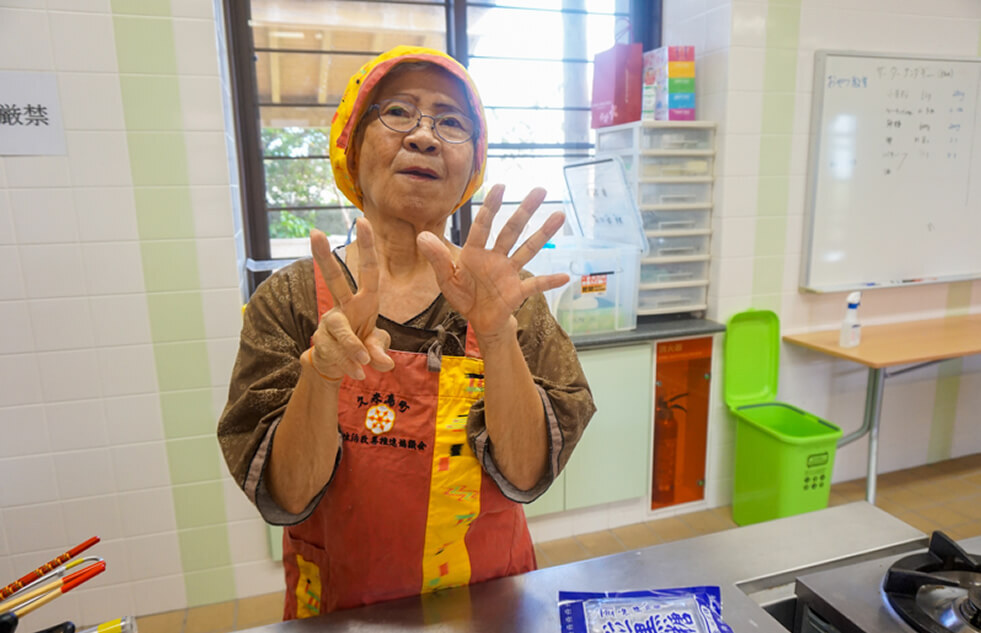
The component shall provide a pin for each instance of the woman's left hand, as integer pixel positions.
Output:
(483, 284)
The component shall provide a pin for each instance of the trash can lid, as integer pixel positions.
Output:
(752, 358)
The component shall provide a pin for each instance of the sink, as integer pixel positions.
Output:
(783, 611)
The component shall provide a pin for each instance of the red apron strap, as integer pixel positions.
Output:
(472, 350)
(324, 299)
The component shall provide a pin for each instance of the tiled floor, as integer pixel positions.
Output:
(944, 496)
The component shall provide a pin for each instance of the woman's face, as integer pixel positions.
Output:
(416, 177)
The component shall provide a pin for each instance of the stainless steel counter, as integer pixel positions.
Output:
(747, 560)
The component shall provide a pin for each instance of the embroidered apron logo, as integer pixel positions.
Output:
(380, 419)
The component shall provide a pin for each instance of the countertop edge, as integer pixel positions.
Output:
(651, 329)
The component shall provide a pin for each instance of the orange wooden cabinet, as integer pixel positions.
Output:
(681, 402)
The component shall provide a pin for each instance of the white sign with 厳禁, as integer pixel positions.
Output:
(30, 115)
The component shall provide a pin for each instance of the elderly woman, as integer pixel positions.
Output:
(395, 401)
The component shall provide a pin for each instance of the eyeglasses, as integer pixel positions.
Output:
(403, 117)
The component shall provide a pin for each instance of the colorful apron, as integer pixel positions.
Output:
(409, 509)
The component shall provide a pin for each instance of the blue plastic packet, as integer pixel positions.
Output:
(678, 610)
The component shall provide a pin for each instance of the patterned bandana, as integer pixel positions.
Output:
(354, 103)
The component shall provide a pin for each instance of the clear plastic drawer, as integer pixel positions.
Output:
(672, 299)
(652, 137)
(674, 193)
(673, 272)
(613, 140)
(675, 166)
(671, 220)
(675, 138)
(678, 245)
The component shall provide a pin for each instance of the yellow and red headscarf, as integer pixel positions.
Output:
(354, 104)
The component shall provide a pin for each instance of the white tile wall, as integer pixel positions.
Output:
(120, 319)
(43, 216)
(69, 375)
(15, 336)
(61, 324)
(147, 512)
(91, 101)
(248, 541)
(258, 578)
(216, 262)
(127, 370)
(192, 8)
(32, 481)
(20, 379)
(105, 214)
(38, 171)
(134, 419)
(52, 270)
(222, 313)
(212, 211)
(98, 159)
(206, 159)
(221, 357)
(196, 46)
(6, 220)
(113, 268)
(84, 473)
(24, 431)
(77, 424)
(79, 403)
(94, 6)
(25, 42)
(140, 466)
(160, 594)
(201, 103)
(106, 603)
(93, 516)
(83, 42)
(12, 281)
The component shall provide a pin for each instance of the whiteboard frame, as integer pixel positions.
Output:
(813, 154)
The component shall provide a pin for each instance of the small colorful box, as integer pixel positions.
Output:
(669, 84)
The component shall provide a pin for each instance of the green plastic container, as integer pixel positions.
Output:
(784, 456)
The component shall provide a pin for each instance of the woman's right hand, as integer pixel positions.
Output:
(347, 337)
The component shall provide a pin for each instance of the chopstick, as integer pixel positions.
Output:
(20, 599)
(33, 575)
(43, 595)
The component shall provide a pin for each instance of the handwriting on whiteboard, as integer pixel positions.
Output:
(914, 127)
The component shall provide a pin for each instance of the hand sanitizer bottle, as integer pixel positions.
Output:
(851, 329)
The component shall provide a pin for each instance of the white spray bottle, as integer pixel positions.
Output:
(851, 329)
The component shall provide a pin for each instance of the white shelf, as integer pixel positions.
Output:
(659, 147)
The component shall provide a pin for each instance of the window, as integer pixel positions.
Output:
(290, 60)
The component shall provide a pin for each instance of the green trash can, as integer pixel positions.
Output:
(784, 456)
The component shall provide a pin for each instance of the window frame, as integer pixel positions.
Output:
(645, 16)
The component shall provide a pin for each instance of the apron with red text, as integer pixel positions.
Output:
(409, 509)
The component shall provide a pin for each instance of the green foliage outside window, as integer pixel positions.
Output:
(305, 181)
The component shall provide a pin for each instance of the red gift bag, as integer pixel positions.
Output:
(617, 85)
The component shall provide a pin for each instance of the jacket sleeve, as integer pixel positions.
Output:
(277, 325)
(567, 400)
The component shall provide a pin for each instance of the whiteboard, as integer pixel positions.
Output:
(893, 191)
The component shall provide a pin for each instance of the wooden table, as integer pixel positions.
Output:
(917, 343)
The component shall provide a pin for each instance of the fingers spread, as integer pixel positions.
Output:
(543, 283)
(378, 343)
(434, 250)
(516, 223)
(538, 239)
(336, 343)
(367, 258)
(482, 222)
(330, 270)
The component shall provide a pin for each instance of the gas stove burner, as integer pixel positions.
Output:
(938, 591)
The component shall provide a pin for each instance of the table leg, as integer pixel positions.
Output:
(873, 407)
